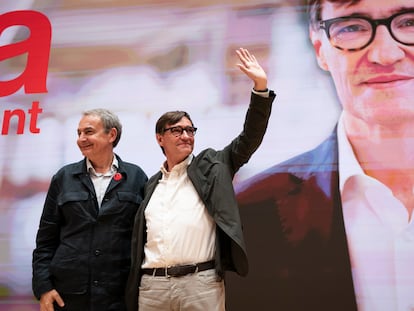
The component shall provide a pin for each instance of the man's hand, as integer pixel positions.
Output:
(48, 298)
(252, 69)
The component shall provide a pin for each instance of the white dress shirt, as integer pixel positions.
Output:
(380, 237)
(101, 180)
(179, 229)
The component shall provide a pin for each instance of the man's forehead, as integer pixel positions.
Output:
(183, 120)
(369, 8)
(90, 122)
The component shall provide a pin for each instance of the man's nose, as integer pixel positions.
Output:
(384, 50)
(185, 134)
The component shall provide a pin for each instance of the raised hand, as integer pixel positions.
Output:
(251, 67)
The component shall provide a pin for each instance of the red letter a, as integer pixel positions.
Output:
(37, 47)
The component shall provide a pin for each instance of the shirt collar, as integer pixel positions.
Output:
(114, 167)
(179, 168)
(347, 161)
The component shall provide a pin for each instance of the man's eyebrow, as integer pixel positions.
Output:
(402, 9)
(369, 15)
(85, 129)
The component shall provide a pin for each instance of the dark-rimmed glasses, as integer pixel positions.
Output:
(178, 130)
(354, 33)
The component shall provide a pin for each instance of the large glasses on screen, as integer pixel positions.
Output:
(354, 33)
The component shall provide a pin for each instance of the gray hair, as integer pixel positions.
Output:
(109, 121)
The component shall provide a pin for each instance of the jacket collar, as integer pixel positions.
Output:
(80, 169)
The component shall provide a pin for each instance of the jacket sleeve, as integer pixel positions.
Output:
(254, 129)
(47, 240)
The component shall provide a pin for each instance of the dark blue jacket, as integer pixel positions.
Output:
(295, 236)
(83, 250)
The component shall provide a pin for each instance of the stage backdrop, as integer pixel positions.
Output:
(140, 59)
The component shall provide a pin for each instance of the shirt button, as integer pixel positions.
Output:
(97, 252)
(95, 283)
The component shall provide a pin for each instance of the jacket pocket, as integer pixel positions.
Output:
(131, 197)
(70, 275)
(74, 196)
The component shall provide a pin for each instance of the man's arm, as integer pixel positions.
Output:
(47, 240)
(258, 113)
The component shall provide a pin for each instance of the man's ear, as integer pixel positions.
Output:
(113, 134)
(317, 46)
(159, 139)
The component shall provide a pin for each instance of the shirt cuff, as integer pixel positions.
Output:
(262, 93)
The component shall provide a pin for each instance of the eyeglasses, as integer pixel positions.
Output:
(178, 130)
(354, 33)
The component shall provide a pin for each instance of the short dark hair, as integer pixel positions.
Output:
(109, 120)
(315, 8)
(170, 117)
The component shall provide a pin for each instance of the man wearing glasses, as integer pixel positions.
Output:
(188, 232)
(337, 230)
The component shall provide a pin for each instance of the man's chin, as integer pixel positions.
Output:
(187, 148)
(186, 153)
(85, 153)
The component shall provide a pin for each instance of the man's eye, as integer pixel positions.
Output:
(407, 22)
(176, 130)
(349, 29)
(352, 28)
(189, 130)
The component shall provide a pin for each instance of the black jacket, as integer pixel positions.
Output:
(295, 235)
(211, 173)
(82, 249)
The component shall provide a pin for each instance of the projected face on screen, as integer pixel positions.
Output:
(327, 200)
(369, 53)
(336, 221)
